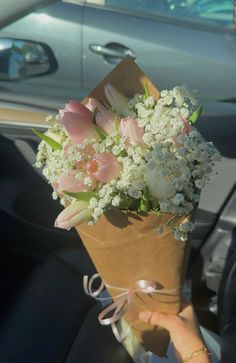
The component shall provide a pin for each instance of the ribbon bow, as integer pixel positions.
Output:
(123, 301)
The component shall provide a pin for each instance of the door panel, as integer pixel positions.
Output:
(170, 53)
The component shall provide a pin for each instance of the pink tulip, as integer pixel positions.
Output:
(93, 104)
(78, 108)
(73, 215)
(78, 127)
(131, 131)
(105, 119)
(68, 181)
(117, 100)
(104, 167)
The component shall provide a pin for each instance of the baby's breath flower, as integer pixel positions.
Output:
(116, 201)
(55, 195)
(134, 192)
(149, 102)
(178, 199)
(49, 118)
(88, 181)
(174, 163)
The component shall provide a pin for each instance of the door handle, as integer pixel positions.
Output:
(112, 52)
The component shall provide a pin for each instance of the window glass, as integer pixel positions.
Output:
(218, 12)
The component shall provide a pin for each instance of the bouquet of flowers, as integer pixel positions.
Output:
(128, 165)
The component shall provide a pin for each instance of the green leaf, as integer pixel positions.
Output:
(129, 203)
(146, 91)
(123, 153)
(144, 205)
(84, 196)
(195, 116)
(116, 123)
(125, 202)
(94, 115)
(107, 105)
(134, 204)
(54, 144)
(100, 132)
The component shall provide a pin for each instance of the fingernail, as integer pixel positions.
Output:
(144, 315)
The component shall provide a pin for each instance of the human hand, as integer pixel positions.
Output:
(184, 332)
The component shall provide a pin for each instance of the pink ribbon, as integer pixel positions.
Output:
(123, 300)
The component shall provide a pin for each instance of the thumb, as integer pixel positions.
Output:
(155, 318)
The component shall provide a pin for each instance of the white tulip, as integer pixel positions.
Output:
(160, 186)
(73, 215)
(117, 100)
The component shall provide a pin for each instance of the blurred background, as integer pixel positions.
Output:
(62, 50)
(53, 51)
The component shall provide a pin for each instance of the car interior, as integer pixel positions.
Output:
(45, 315)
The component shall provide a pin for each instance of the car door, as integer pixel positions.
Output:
(174, 42)
(59, 27)
(192, 45)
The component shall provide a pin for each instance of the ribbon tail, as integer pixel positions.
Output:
(120, 336)
(119, 307)
(87, 284)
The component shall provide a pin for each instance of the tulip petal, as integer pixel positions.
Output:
(72, 215)
(93, 105)
(117, 100)
(68, 181)
(107, 121)
(78, 128)
(159, 186)
(75, 220)
(104, 167)
(78, 108)
(131, 131)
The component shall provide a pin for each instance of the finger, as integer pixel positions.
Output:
(145, 316)
(155, 318)
(187, 312)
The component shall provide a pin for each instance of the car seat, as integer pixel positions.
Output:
(51, 320)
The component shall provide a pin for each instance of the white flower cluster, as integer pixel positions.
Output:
(163, 120)
(181, 232)
(165, 174)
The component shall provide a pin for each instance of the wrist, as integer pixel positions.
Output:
(200, 355)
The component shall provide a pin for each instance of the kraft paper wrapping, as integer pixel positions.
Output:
(125, 248)
(128, 78)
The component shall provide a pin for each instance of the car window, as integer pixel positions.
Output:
(39, 56)
(215, 12)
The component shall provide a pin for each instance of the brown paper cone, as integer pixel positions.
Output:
(126, 248)
(128, 78)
